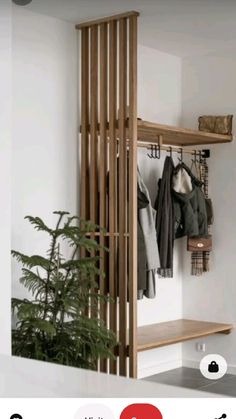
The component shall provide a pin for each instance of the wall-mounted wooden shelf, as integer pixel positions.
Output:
(168, 333)
(174, 136)
(150, 132)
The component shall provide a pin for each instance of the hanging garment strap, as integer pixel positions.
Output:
(196, 167)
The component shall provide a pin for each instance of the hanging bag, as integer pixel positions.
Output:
(199, 244)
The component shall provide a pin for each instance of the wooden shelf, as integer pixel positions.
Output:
(174, 136)
(149, 132)
(168, 333)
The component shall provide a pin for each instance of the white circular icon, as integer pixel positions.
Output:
(213, 366)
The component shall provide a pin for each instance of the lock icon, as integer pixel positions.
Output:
(213, 367)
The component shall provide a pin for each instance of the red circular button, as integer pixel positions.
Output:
(141, 411)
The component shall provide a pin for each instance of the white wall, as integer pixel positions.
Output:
(5, 176)
(209, 87)
(159, 99)
(44, 148)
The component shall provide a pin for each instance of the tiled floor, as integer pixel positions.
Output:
(192, 378)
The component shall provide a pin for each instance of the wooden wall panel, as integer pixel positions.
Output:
(103, 167)
(84, 122)
(93, 123)
(112, 178)
(84, 178)
(122, 194)
(109, 172)
(133, 196)
(93, 172)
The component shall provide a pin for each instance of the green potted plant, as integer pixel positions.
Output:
(54, 325)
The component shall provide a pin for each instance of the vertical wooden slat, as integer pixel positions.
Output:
(103, 168)
(112, 177)
(122, 207)
(93, 122)
(84, 192)
(84, 120)
(93, 142)
(133, 196)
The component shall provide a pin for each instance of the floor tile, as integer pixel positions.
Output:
(181, 378)
(193, 379)
(186, 382)
(227, 388)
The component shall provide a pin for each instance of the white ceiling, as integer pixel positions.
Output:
(179, 27)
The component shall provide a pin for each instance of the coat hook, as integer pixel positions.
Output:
(195, 157)
(148, 148)
(181, 155)
(150, 155)
(157, 151)
(205, 154)
(200, 156)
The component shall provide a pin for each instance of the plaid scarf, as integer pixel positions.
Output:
(200, 261)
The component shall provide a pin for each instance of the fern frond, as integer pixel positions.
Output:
(38, 224)
(31, 261)
(31, 280)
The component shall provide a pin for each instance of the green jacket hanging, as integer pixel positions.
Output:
(190, 209)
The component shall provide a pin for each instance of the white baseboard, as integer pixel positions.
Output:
(190, 363)
(157, 369)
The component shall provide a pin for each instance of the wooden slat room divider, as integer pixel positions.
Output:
(109, 172)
